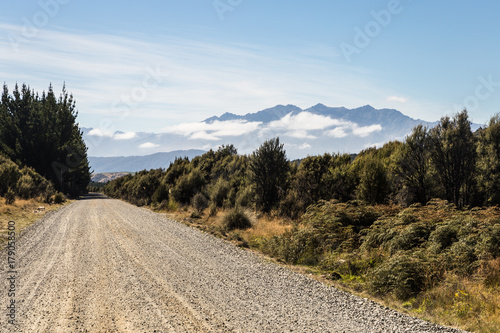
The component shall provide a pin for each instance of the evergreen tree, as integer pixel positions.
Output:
(269, 173)
(42, 133)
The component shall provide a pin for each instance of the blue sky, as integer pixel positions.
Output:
(150, 65)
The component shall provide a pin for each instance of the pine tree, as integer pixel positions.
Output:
(42, 133)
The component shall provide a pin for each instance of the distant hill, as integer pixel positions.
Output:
(107, 176)
(138, 163)
(313, 131)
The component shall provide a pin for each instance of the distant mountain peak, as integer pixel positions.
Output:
(265, 116)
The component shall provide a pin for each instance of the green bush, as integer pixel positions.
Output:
(236, 219)
(59, 198)
(26, 187)
(401, 275)
(444, 236)
(245, 197)
(160, 194)
(411, 237)
(170, 206)
(491, 241)
(200, 202)
(10, 197)
(9, 174)
(461, 256)
(187, 186)
(48, 195)
(219, 192)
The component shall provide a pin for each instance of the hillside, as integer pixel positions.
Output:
(137, 163)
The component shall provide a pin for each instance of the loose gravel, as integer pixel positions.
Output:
(102, 265)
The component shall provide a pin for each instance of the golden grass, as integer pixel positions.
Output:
(262, 226)
(462, 302)
(23, 213)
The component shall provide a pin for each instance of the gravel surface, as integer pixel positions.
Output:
(102, 265)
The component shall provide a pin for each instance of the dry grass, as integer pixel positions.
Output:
(461, 302)
(23, 212)
(263, 227)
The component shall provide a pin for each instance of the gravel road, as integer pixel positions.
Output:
(102, 265)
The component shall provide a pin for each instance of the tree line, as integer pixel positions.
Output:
(449, 161)
(41, 133)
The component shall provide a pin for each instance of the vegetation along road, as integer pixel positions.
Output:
(102, 265)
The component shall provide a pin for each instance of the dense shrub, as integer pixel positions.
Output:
(236, 219)
(444, 236)
(26, 187)
(168, 205)
(491, 241)
(59, 198)
(400, 275)
(160, 194)
(245, 197)
(187, 186)
(200, 202)
(9, 174)
(219, 192)
(411, 237)
(10, 197)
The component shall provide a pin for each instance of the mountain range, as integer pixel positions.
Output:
(137, 163)
(311, 131)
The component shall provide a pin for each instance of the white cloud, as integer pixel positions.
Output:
(100, 133)
(215, 130)
(363, 131)
(397, 99)
(296, 146)
(124, 136)
(300, 134)
(148, 145)
(116, 136)
(338, 132)
(305, 121)
(366, 130)
(202, 135)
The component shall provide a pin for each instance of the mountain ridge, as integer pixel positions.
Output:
(315, 130)
(138, 163)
